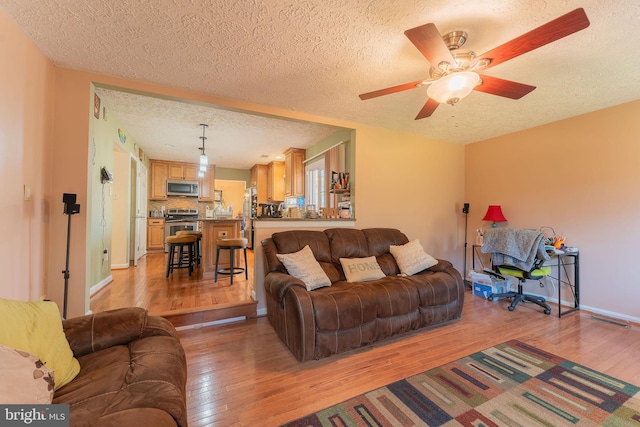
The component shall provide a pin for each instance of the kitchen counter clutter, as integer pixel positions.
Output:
(304, 219)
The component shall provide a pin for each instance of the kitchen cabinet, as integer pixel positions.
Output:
(294, 172)
(259, 176)
(184, 171)
(155, 234)
(158, 181)
(206, 185)
(275, 182)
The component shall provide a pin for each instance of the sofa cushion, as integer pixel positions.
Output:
(394, 296)
(361, 269)
(411, 258)
(379, 240)
(36, 327)
(25, 379)
(294, 240)
(343, 306)
(302, 265)
(347, 243)
(114, 381)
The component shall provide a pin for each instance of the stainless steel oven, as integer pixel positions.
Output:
(171, 228)
(179, 219)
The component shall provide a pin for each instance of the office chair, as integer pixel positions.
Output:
(537, 273)
(518, 253)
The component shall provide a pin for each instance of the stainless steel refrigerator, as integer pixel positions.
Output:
(249, 212)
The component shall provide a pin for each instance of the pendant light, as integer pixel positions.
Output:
(204, 160)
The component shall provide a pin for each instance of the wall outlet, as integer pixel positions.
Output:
(105, 254)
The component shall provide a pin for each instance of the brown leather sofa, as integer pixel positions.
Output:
(345, 316)
(133, 371)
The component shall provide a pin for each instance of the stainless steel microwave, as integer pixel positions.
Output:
(182, 188)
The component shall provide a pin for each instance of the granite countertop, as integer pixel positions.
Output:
(218, 219)
(304, 219)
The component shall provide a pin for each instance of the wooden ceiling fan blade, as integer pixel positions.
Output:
(563, 26)
(506, 88)
(390, 90)
(429, 42)
(428, 109)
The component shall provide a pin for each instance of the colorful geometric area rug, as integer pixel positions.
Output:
(511, 384)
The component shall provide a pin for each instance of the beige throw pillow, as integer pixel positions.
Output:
(411, 257)
(25, 379)
(304, 266)
(361, 269)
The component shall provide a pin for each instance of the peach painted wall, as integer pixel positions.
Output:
(414, 184)
(26, 123)
(423, 203)
(580, 176)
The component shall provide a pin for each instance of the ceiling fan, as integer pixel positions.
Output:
(454, 71)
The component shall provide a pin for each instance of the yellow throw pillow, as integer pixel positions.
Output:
(36, 327)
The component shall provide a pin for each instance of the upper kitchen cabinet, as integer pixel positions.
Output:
(275, 181)
(259, 176)
(158, 181)
(185, 171)
(294, 172)
(206, 185)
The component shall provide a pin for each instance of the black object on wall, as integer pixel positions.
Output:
(465, 211)
(70, 208)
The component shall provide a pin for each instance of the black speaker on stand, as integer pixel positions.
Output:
(70, 208)
(465, 211)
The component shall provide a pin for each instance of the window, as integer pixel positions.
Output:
(315, 192)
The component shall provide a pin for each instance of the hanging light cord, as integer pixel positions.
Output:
(203, 138)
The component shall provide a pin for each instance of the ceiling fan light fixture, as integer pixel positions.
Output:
(453, 87)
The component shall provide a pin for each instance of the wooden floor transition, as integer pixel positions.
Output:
(183, 299)
(240, 374)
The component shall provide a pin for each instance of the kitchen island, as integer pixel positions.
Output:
(212, 229)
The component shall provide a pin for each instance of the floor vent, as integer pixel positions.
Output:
(619, 322)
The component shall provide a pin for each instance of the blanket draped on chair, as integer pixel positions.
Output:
(509, 246)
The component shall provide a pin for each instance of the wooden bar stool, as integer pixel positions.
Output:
(181, 262)
(231, 245)
(198, 235)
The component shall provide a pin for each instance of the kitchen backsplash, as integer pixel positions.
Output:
(179, 202)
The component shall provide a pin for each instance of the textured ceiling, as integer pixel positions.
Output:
(170, 130)
(316, 56)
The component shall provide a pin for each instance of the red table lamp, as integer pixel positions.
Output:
(494, 213)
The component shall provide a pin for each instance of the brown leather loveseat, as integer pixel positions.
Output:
(347, 315)
(133, 371)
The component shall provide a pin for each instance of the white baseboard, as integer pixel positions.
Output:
(261, 312)
(594, 310)
(119, 266)
(95, 288)
(215, 322)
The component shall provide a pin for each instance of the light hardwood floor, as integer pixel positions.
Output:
(240, 374)
(181, 298)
